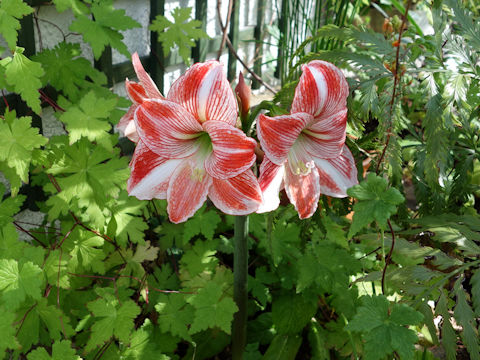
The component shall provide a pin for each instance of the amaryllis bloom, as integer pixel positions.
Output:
(305, 151)
(137, 92)
(189, 148)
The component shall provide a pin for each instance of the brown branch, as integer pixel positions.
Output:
(29, 234)
(258, 78)
(224, 28)
(388, 258)
(396, 80)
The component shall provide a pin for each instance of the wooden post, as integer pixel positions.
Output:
(233, 35)
(199, 52)
(283, 26)
(257, 35)
(157, 59)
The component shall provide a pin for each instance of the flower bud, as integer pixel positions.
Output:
(243, 96)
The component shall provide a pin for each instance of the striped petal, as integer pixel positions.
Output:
(187, 190)
(278, 134)
(322, 90)
(239, 195)
(126, 125)
(338, 174)
(325, 137)
(233, 152)
(205, 92)
(271, 182)
(150, 174)
(167, 128)
(303, 191)
(135, 92)
(145, 79)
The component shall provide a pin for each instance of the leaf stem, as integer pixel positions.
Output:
(388, 258)
(240, 295)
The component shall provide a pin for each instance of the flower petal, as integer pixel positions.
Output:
(277, 134)
(271, 182)
(145, 79)
(233, 152)
(135, 92)
(303, 191)
(187, 190)
(325, 138)
(338, 174)
(167, 128)
(150, 174)
(322, 90)
(239, 195)
(126, 125)
(206, 93)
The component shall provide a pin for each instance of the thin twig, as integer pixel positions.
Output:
(396, 80)
(29, 234)
(258, 78)
(224, 28)
(388, 258)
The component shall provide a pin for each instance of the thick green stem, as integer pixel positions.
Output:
(240, 295)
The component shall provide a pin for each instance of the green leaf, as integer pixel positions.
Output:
(16, 283)
(383, 327)
(67, 71)
(376, 202)
(7, 332)
(212, 309)
(291, 313)
(9, 207)
(181, 32)
(466, 318)
(10, 12)
(126, 212)
(104, 30)
(19, 140)
(61, 350)
(475, 283)
(203, 222)
(89, 118)
(283, 347)
(23, 76)
(91, 176)
(449, 337)
(112, 319)
(201, 257)
(85, 249)
(76, 5)
(174, 314)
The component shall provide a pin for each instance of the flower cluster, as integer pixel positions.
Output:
(188, 147)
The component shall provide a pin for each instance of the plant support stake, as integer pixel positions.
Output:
(240, 272)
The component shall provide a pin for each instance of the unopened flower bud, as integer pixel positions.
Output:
(243, 96)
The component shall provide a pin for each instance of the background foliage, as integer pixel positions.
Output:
(372, 276)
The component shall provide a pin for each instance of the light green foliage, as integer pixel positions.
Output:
(23, 77)
(61, 350)
(383, 327)
(76, 5)
(200, 258)
(9, 207)
(19, 281)
(175, 315)
(7, 332)
(85, 250)
(181, 33)
(114, 319)
(212, 309)
(19, 140)
(10, 12)
(466, 318)
(204, 222)
(89, 118)
(376, 202)
(104, 30)
(67, 71)
(90, 177)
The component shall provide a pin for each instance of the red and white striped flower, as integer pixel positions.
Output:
(189, 148)
(305, 151)
(137, 92)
